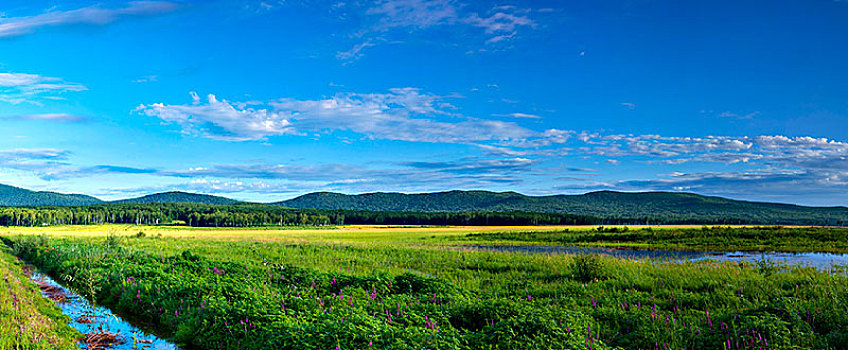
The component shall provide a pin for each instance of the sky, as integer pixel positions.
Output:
(267, 100)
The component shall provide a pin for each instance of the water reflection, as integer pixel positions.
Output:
(86, 319)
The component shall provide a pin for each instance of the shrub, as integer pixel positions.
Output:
(113, 242)
(587, 267)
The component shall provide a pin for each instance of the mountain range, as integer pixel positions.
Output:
(674, 206)
(18, 197)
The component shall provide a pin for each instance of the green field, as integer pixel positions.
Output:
(371, 287)
(756, 238)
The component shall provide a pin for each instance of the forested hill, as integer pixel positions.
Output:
(18, 197)
(180, 197)
(14, 196)
(644, 207)
(666, 206)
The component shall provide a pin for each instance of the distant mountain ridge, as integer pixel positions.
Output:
(180, 197)
(641, 206)
(676, 206)
(13, 196)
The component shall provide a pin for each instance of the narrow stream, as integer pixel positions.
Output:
(86, 319)
(817, 260)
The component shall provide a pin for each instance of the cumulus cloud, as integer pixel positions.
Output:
(780, 151)
(768, 167)
(94, 15)
(18, 88)
(401, 114)
(221, 119)
(509, 151)
(811, 186)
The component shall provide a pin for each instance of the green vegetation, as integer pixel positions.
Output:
(13, 196)
(339, 289)
(258, 215)
(476, 208)
(644, 208)
(246, 215)
(766, 238)
(28, 320)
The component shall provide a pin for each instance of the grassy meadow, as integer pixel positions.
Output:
(373, 287)
(28, 320)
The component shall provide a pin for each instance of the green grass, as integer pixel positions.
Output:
(27, 319)
(766, 238)
(412, 288)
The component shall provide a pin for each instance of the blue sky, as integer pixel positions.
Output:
(266, 100)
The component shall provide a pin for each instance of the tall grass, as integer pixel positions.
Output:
(410, 295)
(28, 321)
(777, 238)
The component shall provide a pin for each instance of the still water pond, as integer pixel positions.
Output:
(79, 309)
(818, 260)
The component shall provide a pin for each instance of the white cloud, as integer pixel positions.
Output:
(147, 79)
(783, 151)
(97, 15)
(394, 21)
(32, 159)
(57, 117)
(413, 13)
(519, 115)
(22, 154)
(318, 172)
(221, 119)
(814, 187)
(504, 20)
(409, 172)
(401, 114)
(477, 166)
(410, 177)
(728, 114)
(354, 52)
(547, 138)
(18, 88)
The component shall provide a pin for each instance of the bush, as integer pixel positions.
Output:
(587, 267)
(766, 266)
(113, 242)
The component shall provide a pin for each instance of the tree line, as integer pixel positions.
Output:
(246, 215)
